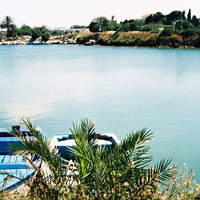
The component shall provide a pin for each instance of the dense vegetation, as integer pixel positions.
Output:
(151, 22)
(175, 29)
(123, 172)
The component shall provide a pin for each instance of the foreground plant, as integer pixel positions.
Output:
(180, 186)
(45, 183)
(119, 172)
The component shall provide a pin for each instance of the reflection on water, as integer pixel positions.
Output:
(124, 89)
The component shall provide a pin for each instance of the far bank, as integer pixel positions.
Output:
(168, 38)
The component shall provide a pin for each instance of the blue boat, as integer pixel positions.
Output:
(11, 164)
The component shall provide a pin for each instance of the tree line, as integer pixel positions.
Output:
(176, 19)
(13, 31)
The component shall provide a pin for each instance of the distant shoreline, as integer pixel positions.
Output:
(126, 39)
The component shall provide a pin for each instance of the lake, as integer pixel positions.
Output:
(125, 89)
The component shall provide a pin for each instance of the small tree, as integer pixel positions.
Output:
(195, 21)
(189, 15)
(8, 23)
(36, 34)
(45, 36)
(24, 30)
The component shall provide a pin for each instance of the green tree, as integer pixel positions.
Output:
(195, 21)
(149, 19)
(55, 32)
(183, 17)
(8, 23)
(101, 23)
(45, 36)
(187, 25)
(189, 15)
(24, 30)
(175, 15)
(158, 17)
(179, 25)
(36, 33)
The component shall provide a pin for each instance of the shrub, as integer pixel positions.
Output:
(188, 32)
(180, 186)
(36, 34)
(45, 36)
(166, 32)
(146, 28)
(57, 32)
(177, 45)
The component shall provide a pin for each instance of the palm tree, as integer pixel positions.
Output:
(122, 172)
(9, 25)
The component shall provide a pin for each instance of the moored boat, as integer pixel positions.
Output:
(63, 142)
(10, 164)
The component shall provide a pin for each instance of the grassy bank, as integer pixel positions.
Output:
(166, 38)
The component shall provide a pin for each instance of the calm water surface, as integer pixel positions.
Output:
(124, 89)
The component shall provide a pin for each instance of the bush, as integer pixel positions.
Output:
(146, 28)
(45, 36)
(177, 45)
(24, 30)
(180, 186)
(188, 32)
(36, 34)
(167, 32)
(57, 32)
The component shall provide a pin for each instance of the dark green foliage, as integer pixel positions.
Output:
(183, 15)
(115, 35)
(99, 24)
(179, 25)
(175, 15)
(45, 36)
(195, 21)
(189, 15)
(198, 42)
(177, 45)
(24, 30)
(146, 28)
(126, 27)
(57, 32)
(183, 25)
(78, 27)
(149, 19)
(66, 32)
(36, 33)
(187, 25)
(188, 32)
(91, 26)
(166, 32)
(8, 23)
(96, 28)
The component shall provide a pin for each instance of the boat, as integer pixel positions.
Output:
(11, 164)
(36, 43)
(63, 142)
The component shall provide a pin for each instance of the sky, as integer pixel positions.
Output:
(65, 13)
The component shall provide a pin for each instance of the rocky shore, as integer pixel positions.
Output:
(134, 39)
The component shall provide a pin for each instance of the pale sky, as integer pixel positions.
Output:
(65, 13)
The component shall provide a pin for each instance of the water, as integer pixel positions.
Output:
(124, 89)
